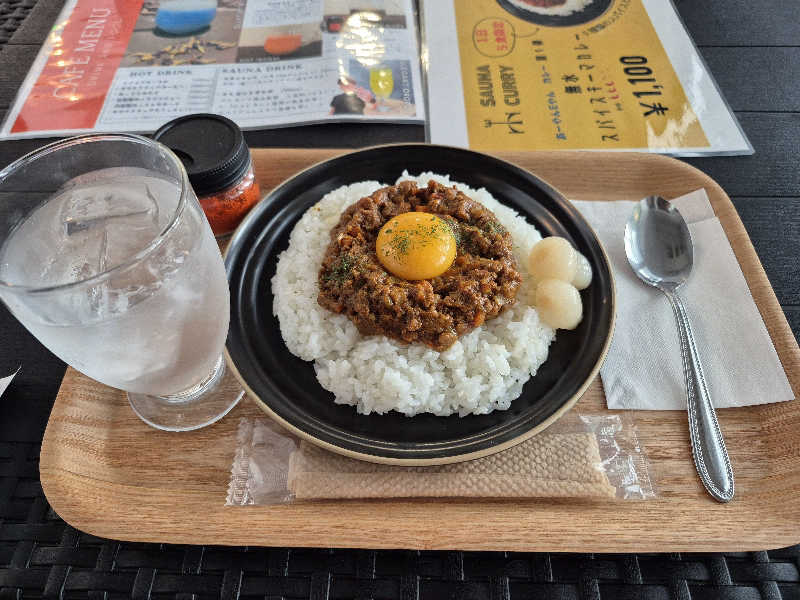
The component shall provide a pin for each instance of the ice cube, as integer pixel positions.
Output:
(95, 222)
(109, 223)
(108, 204)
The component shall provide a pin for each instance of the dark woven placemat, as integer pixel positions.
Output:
(41, 556)
(12, 14)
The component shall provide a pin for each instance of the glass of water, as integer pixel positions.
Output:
(106, 257)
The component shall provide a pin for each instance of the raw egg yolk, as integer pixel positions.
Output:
(416, 245)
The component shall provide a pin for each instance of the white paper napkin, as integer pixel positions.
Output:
(643, 369)
(6, 381)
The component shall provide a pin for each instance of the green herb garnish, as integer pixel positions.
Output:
(402, 243)
(455, 230)
(492, 226)
(340, 269)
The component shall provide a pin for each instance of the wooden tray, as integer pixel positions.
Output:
(107, 473)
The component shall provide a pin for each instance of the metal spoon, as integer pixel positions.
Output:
(659, 249)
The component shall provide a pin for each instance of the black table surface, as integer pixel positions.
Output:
(753, 50)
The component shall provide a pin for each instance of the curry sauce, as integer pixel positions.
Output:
(481, 283)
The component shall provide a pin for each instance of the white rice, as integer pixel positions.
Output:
(481, 372)
(571, 6)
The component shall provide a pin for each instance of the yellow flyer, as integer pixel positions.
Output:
(571, 74)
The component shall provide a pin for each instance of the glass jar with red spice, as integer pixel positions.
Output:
(217, 160)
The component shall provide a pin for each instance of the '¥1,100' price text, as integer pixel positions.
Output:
(640, 76)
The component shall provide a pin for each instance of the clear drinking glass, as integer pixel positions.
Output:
(106, 257)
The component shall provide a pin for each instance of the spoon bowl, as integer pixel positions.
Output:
(658, 243)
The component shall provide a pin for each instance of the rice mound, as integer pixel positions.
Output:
(569, 7)
(481, 372)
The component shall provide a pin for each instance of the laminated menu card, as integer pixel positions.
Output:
(571, 74)
(132, 65)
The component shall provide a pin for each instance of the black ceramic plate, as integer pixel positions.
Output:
(286, 386)
(594, 10)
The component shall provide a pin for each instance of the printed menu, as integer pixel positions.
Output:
(132, 65)
(571, 74)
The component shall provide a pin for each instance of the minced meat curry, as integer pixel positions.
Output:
(480, 284)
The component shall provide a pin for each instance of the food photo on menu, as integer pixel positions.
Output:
(334, 272)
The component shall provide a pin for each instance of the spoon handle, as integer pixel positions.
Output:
(708, 447)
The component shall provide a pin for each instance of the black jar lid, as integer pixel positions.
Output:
(211, 148)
